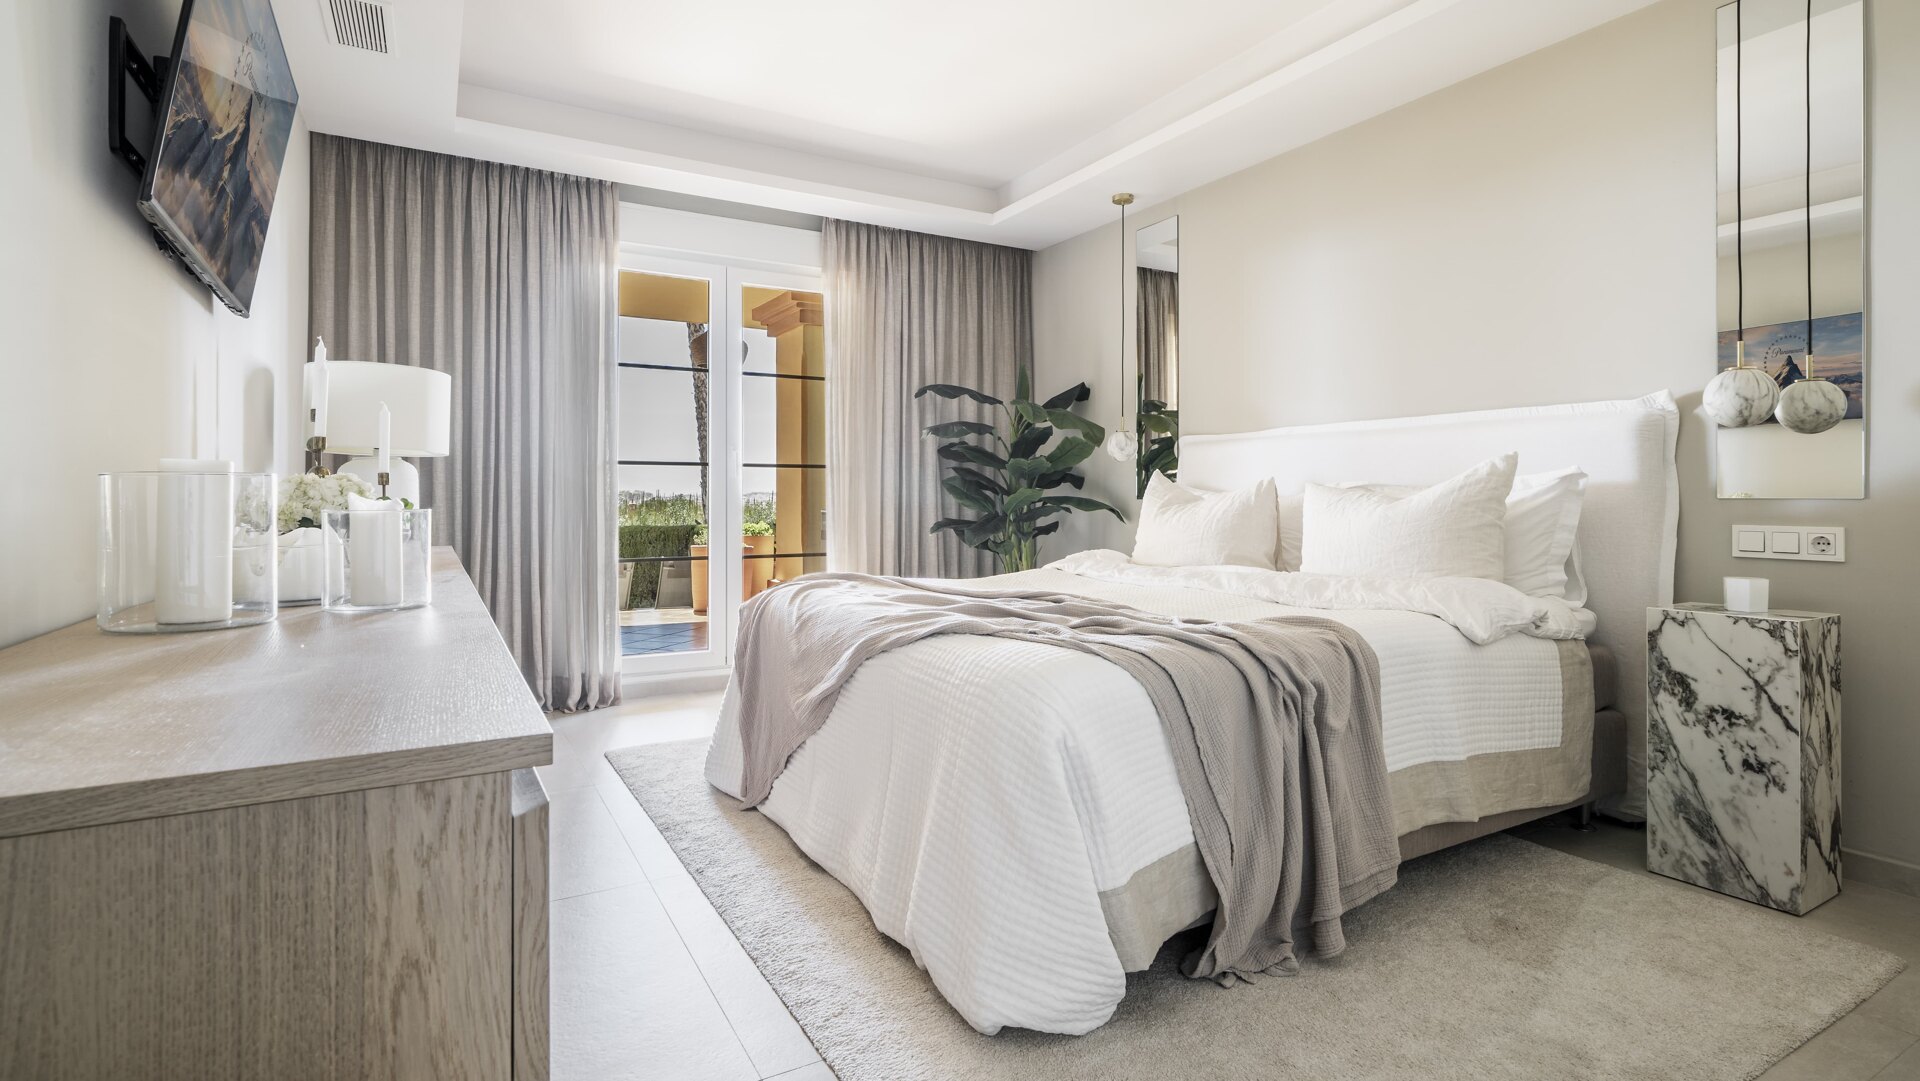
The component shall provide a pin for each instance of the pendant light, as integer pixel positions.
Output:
(1812, 404)
(1739, 396)
(1121, 444)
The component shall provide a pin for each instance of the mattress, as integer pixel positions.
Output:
(1009, 811)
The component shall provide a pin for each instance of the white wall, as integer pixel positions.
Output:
(1544, 233)
(111, 357)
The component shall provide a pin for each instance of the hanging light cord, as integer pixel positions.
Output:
(1739, 211)
(1809, 190)
(1123, 311)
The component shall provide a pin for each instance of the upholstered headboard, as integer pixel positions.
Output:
(1628, 529)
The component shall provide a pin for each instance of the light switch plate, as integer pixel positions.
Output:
(1819, 544)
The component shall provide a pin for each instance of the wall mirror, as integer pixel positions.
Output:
(1791, 267)
(1156, 256)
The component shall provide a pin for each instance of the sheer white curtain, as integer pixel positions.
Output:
(506, 279)
(906, 309)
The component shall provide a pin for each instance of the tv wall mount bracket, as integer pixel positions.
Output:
(126, 63)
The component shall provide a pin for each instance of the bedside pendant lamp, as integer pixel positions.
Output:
(1739, 396)
(1121, 444)
(1810, 405)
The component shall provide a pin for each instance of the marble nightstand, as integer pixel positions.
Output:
(1743, 752)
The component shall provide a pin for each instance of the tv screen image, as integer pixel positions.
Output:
(228, 113)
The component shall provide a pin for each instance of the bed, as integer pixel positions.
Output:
(1009, 812)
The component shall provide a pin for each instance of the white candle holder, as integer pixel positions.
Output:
(378, 559)
(185, 550)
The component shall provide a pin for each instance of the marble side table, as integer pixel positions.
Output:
(1743, 752)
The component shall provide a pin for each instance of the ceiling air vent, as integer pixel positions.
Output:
(357, 24)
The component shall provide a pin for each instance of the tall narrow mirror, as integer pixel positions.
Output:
(1156, 254)
(1791, 272)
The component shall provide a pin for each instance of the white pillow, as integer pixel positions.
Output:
(1543, 514)
(1455, 529)
(1186, 527)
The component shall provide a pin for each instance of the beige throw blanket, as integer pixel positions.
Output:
(1274, 727)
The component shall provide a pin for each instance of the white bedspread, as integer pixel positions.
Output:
(978, 794)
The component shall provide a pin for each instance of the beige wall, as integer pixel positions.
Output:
(110, 356)
(1545, 233)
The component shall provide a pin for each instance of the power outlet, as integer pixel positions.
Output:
(1819, 544)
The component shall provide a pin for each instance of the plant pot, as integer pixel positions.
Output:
(699, 578)
(303, 566)
(756, 572)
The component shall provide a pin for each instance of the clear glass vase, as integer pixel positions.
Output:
(377, 560)
(181, 550)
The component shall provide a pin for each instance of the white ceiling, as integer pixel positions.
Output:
(1003, 120)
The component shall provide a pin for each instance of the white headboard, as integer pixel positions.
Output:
(1628, 529)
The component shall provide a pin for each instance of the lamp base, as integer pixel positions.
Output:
(403, 480)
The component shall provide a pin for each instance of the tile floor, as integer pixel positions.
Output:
(663, 638)
(648, 982)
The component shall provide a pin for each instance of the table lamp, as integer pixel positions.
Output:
(417, 402)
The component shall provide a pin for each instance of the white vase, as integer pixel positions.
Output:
(303, 566)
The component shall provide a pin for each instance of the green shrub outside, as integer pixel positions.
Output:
(652, 524)
(651, 540)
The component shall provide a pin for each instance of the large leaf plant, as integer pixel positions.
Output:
(1007, 475)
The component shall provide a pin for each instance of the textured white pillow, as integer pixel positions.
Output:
(1185, 527)
(1543, 514)
(1455, 529)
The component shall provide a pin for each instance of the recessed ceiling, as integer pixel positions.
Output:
(1004, 120)
(976, 93)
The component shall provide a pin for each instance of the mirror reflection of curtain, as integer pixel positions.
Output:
(1158, 332)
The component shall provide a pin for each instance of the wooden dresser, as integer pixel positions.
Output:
(310, 849)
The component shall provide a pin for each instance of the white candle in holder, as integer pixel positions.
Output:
(375, 566)
(193, 542)
(383, 461)
(318, 383)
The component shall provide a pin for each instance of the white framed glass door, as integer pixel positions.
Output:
(720, 384)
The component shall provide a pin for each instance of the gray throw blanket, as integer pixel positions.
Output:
(1274, 725)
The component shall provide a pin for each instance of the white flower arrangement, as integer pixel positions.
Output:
(304, 496)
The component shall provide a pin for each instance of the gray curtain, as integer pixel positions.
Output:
(906, 309)
(505, 278)
(1158, 326)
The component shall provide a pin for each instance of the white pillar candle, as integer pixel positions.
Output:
(374, 556)
(193, 542)
(382, 459)
(319, 388)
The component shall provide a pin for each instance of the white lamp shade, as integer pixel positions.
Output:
(419, 399)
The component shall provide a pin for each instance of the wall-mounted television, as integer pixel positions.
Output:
(227, 105)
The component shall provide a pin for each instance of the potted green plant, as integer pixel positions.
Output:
(1009, 477)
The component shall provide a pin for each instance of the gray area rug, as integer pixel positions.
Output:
(1496, 959)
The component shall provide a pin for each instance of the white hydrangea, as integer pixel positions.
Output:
(304, 496)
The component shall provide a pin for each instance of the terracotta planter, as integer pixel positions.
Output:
(699, 578)
(756, 572)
